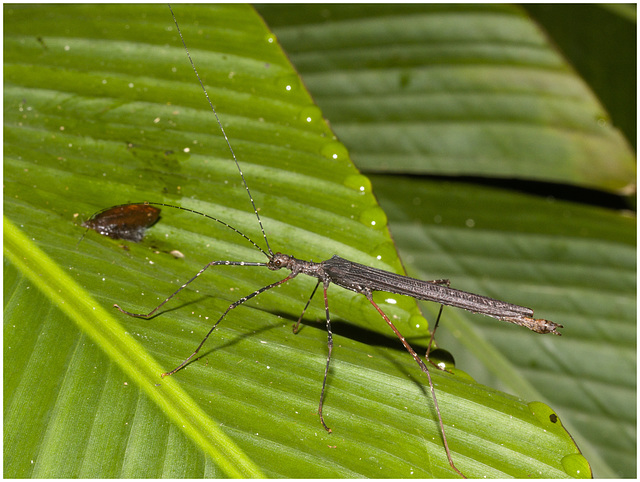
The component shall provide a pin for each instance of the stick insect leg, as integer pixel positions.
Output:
(424, 368)
(231, 307)
(295, 327)
(330, 346)
(435, 326)
(433, 333)
(208, 265)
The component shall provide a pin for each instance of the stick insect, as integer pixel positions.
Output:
(352, 276)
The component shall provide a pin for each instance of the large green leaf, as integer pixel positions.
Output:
(459, 83)
(458, 89)
(600, 43)
(101, 111)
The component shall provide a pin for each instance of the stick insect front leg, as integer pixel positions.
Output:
(231, 306)
(208, 265)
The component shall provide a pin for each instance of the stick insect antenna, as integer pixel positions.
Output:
(226, 225)
(246, 186)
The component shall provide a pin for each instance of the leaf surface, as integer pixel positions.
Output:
(100, 112)
(478, 93)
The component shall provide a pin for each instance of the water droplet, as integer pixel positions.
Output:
(311, 115)
(575, 465)
(359, 183)
(380, 297)
(418, 321)
(288, 83)
(374, 217)
(335, 150)
(271, 38)
(442, 359)
(386, 252)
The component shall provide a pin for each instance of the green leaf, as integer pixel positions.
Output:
(453, 90)
(94, 321)
(99, 111)
(600, 44)
(428, 76)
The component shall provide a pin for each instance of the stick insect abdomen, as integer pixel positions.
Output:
(358, 277)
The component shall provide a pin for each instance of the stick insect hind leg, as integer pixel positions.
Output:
(412, 352)
(423, 367)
